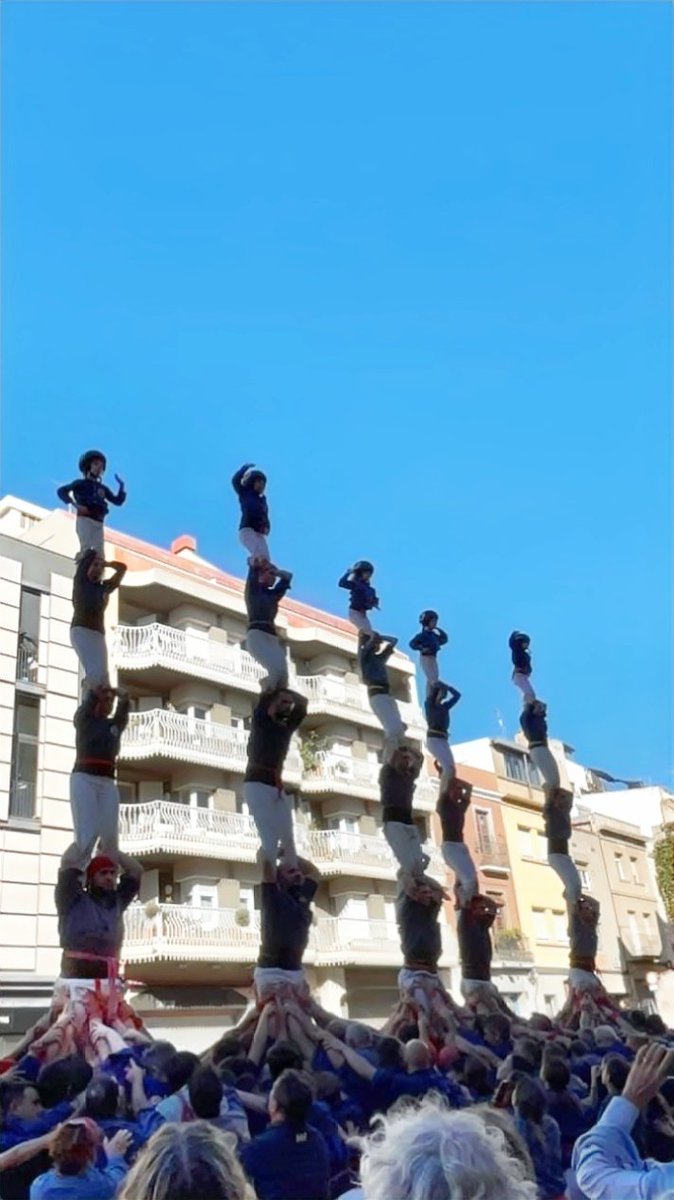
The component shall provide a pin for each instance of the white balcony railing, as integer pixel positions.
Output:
(162, 733)
(325, 692)
(141, 646)
(163, 826)
(177, 932)
(641, 941)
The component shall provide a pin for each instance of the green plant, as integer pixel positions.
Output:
(310, 748)
(663, 854)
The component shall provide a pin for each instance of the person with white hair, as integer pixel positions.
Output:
(433, 1153)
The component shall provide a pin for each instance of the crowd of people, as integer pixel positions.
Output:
(448, 1101)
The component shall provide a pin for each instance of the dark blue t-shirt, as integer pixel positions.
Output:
(287, 1163)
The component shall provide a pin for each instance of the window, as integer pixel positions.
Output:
(535, 778)
(634, 870)
(620, 868)
(501, 920)
(515, 766)
(29, 636)
(484, 828)
(524, 841)
(541, 932)
(559, 925)
(23, 777)
(585, 877)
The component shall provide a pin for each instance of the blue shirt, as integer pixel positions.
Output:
(546, 1155)
(429, 641)
(17, 1130)
(286, 1163)
(363, 596)
(90, 1185)
(608, 1166)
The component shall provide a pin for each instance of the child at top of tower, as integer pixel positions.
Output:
(90, 496)
(250, 484)
(428, 642)
(363, 596)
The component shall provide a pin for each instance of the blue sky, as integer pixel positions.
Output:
(412, 259)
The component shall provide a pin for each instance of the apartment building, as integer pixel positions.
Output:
(615, 866)
(176, 629)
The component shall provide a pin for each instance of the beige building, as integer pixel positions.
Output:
(176, 629)
(614, 861)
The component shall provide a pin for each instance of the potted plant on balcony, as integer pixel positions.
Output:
(242, 916)
(509, 942)
(310, 748)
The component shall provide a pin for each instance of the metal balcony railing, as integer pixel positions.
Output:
(27, 665)
(511, 947)
(324, 692)
(491, 852)
(170, 827)
(162, 733)
(141, 646)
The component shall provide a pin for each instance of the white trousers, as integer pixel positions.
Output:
(564, 866)
(90, 648)
(360, 620)
(429, 666)
(268, 980)
(418, 987)
(478, 985)
(523, 682)
(441, 752)
(255, 543)
(459, 860)
(405, 843)
(387, 713)
(543, 758)
(268, 651)
(272, 811)
(584, 981)
(94, 803)
(91, 536)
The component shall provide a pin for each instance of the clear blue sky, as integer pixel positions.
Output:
(414, 260)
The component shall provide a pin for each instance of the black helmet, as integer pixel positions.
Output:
(427, 615)
(252, 477)
(516, 637)
(362, 566)
(88, 457)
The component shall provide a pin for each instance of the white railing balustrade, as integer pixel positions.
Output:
(160, 731)
(323, 690)
(164, 825)
(149, 645)
(336, 770)
(180, 931)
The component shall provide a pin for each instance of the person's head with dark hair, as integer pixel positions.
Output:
(328, 1087)
(555, 1050)
(528, 1048)
(391, 1056)
(555, 1074)
(63, 1080)
(75, 1146)
(655, 1025)
(496, 1029)
(290, 1099)
(614, 1072)
(284, 1056)
(20, 1100)
(157, 1056)
(577, 1049)
(101, 1099)
(191, 1161)
(408, 1032)
(540, 1022)
(637, 1018)
(520, 1066)
(475, 1076)
(529, 1100)
(237, 1064)
(229, 1046)
(179, 1069)
(205, 1094)
(245, 1083)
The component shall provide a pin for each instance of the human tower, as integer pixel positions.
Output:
(97, 882)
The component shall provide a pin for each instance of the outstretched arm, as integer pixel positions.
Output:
(389, 647)
(121, 717)
(355, 1060)
(119, 496)
(346, 580)
(238, 476)
(129, 865)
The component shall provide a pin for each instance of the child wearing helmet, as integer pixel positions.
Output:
(440, 700)
(427, 643)
(249, 483)
(363, 596)
(519, 646)
(91, 498)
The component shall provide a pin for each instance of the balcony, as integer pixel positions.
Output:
(345, 775)
(641, 941)
(143, 647)
(180, 933)
(163, 735)
(491, 855)
(349, 700)
(163, 827)
(28, 670)
(338, 853)
(510, 946)
(22, 794)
